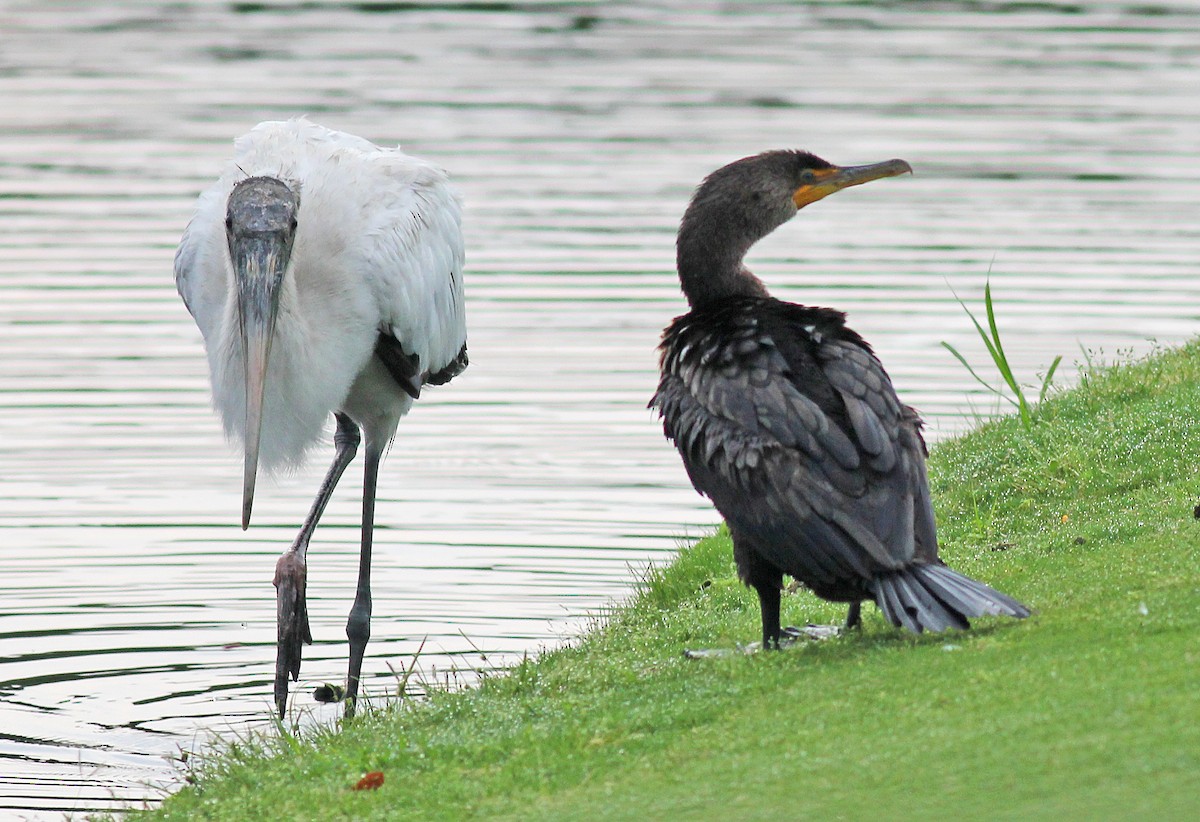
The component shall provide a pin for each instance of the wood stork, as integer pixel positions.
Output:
(326, 276)
(787, 421)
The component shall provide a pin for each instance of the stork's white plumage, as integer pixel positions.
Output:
(325, 274)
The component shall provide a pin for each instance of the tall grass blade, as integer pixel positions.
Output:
(973, 373)
(995, 348)
(999, 357)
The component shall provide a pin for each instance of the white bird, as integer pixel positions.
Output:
(325, 274)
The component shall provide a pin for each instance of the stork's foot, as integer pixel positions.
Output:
(789, 637)
(292, 631)
(329, 693)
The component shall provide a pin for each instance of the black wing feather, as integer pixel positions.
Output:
(788, 422)
(406, 369)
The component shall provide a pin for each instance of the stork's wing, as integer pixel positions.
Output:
(406, 368)
(789, 423)
(185, 259)
(414, 259)
(200, 261)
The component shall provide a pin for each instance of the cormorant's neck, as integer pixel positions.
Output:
(708, 257)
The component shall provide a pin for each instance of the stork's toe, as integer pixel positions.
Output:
(291, 623)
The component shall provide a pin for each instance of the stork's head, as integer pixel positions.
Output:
(260, 226)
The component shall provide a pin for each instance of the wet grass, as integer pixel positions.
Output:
(1086, 710)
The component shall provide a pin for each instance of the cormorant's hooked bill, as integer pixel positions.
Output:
(819, 183)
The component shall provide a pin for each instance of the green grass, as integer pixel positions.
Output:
(995, 348)
(1089, 709)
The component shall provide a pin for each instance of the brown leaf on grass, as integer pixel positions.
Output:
(370, 782)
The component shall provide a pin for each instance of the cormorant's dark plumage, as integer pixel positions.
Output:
(785, 418)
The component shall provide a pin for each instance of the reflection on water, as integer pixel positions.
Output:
(1055, 145)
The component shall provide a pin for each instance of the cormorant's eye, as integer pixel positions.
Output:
(807, 177)
(294, 222)
(228, 223)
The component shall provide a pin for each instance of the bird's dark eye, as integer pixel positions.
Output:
(294, 223)
(807, 177)
(228, 223)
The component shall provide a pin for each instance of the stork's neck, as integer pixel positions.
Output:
(709, 253)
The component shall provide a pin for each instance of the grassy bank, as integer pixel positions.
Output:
(1090, 709)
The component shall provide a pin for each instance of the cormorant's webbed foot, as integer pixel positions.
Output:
(788, 637)
(792, 634)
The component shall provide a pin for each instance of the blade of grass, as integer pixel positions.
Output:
(995, 348)
(978, 378)
(1001, 359)
(1049, 377)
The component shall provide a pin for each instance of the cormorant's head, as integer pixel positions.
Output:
(766, 190)
(739, 204)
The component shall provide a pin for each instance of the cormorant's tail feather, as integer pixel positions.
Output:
(934, 598)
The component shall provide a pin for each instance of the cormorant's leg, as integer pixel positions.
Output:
(854, 617)
(291, 609)
(764, 578)
(358, 626)
(768, 602)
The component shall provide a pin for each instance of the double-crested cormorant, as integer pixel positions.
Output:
(325, 274)
(785, 418)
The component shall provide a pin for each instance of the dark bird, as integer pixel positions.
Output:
(325, 274)
(785, 418)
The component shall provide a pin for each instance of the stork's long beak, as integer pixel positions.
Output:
(259, 263)
(830, 180)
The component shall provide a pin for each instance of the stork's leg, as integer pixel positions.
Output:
(291, 609)
(358, 626)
